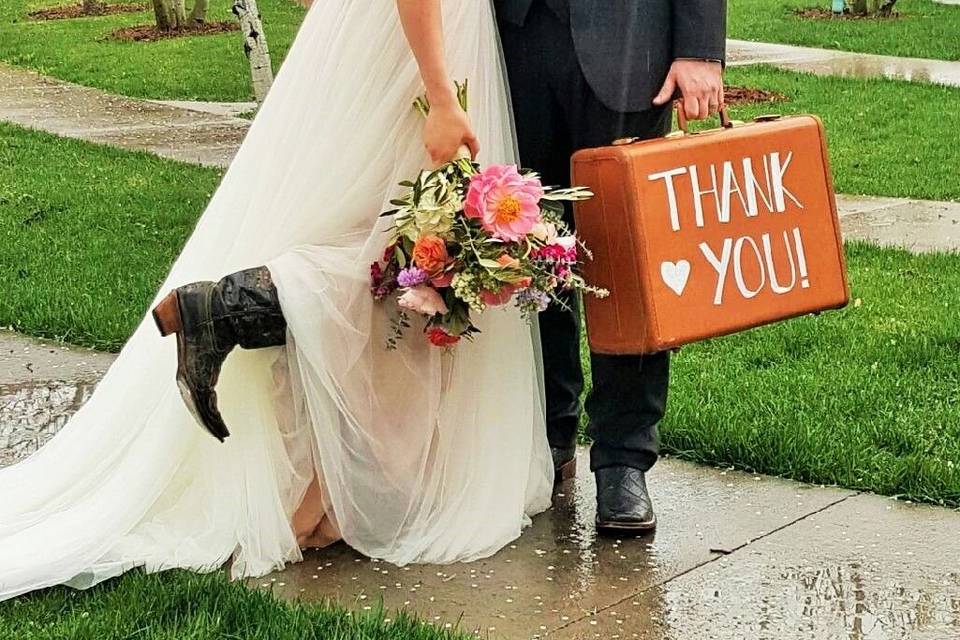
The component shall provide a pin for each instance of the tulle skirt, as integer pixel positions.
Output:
(422, 455)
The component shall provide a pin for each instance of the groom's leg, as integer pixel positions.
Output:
(531, 52)
(629, 394)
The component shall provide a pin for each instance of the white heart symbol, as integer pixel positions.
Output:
(675, 275)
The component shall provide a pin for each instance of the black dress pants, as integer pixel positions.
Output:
(556, 114)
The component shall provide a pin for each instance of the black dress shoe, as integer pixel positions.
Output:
(623, 504)
(564, 463)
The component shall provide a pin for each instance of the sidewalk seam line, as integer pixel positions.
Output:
(718, 556)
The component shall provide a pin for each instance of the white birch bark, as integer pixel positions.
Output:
(255, 46)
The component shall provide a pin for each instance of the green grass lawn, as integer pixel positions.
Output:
(193, 68)
(87, 234)
(184, 606)
(886, 138)
(925, 29)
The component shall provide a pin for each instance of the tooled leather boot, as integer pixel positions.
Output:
(209, 320)
(623, 502)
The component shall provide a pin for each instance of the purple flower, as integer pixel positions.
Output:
(412, 277)
(533, 297)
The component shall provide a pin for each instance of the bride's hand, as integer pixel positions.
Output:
(447, 129)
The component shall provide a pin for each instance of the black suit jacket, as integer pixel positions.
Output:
(625, 47)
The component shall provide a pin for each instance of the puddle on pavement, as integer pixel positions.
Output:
(866, 604)
(851, 601)
(31, 413)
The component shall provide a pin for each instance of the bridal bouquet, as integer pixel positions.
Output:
(464, 239)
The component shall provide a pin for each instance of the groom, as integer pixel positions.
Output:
(582, 74)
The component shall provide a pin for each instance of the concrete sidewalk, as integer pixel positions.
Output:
(830, 62)
(189, 135)
(736, 556)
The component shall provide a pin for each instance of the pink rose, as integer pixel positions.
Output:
(506, 203)
(423, 299)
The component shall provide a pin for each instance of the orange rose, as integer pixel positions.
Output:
(430, 254)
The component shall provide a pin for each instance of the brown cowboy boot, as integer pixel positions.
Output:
(210, 319)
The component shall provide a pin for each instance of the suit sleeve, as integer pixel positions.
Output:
(700, 29)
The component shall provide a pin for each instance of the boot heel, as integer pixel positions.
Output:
(167, 315)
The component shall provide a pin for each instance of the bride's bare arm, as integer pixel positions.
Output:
(447, 127)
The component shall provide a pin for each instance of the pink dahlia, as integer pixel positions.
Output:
(506, 203)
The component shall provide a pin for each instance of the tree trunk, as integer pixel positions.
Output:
(170, 14)
(886, 8)
(876, 8)
(255, 46)
(199, 13)
(180, 10)
(858, 7)
(92, 7)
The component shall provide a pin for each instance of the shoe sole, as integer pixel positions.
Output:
(566, 471)
(627, 529)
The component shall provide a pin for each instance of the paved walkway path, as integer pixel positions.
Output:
(736, 556)
(32, 100)
(829, 62)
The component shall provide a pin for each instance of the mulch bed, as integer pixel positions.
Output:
(740, 96)
(822, 13)
(150, 33)
(71, 11)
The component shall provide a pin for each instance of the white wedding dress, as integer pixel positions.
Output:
(422, 456)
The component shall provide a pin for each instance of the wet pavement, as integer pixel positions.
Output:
(828, 62)
(736, 556)
(41, 386)
(187, 134)
(866, 568)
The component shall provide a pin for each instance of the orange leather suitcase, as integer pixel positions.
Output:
(706, 234)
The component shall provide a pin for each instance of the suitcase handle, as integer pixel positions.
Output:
(725, 120)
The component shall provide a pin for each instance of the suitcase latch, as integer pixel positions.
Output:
(620, 142)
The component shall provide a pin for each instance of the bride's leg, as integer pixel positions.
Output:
(311, 524)
(210, 319)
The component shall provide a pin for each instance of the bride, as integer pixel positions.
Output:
(412, 455)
